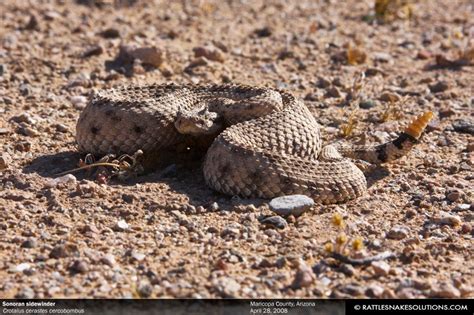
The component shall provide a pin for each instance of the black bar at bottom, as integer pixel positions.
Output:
(234, 306)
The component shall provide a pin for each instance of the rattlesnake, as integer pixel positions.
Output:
(260, 142)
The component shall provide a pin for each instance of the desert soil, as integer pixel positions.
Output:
(166, 234)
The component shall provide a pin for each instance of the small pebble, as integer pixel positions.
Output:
(390, 97)
(367, 104)
(61, 128)
(374, 291)
(381, 268)
(110, 33)
(263, 32)
(333, 92)
(93, 51)
(79, 266)
(5, 160)
(138, 256)
(275, 221)
(292, 204)
(121, 225)
(79, 101)
(30, 242)
(445, 290)
(63, 180)
(448, 219)
(440, 86)
(453, 195)
(398, 233)
(59, 251)
(464, 126)
(227, 286)
(304, 276)
(25, 293)
(108, 259)
(209, 52)
(22, 267)
(145, 289)
(148, 55)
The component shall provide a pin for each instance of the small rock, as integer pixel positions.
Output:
(59, 251)
(166, 70)
(263, 32)
(470, 147)
(5, 160)
(445, 290)
(354, 290)
(466, 228)
(128, 198)
(304, 276)
(448, 219)
(82, 79)
(138, 256)
(209, 52)
(25, 293)
(390, 97)
(406, 293)
(148, 55)
(275, 221)
(348, 270)
(22, 267)
(462, 207)
(30, 242)
(28, 131)
(25, 89)
(323, 82)
(424, 54)
(381, 268)
(213, 207)
(398, 233)
(145, 289)
(367, 104)
(79, 101)
(446, 112)
(32, 23)
(24, 118)
(121, 225)
(92, 51)
(79, 266)
(464, 126)
(382, 57)
(227, 286)
(333, 92)
(108, 259)
(197, 62)
(438, 87)
(110, 33)
(453, 195)
(63, 180)
(374, 291)
(61, 127)
(292, 204)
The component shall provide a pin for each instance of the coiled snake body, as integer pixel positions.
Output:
(265, 143)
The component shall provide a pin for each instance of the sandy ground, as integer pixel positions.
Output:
(166, 234)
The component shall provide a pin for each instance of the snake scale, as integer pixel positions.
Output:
(261, 142)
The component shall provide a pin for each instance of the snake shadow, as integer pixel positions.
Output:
(50, 165)
(183, 177)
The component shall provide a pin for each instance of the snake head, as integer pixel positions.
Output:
(198, 123)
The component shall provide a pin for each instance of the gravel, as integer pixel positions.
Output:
(185, 240)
